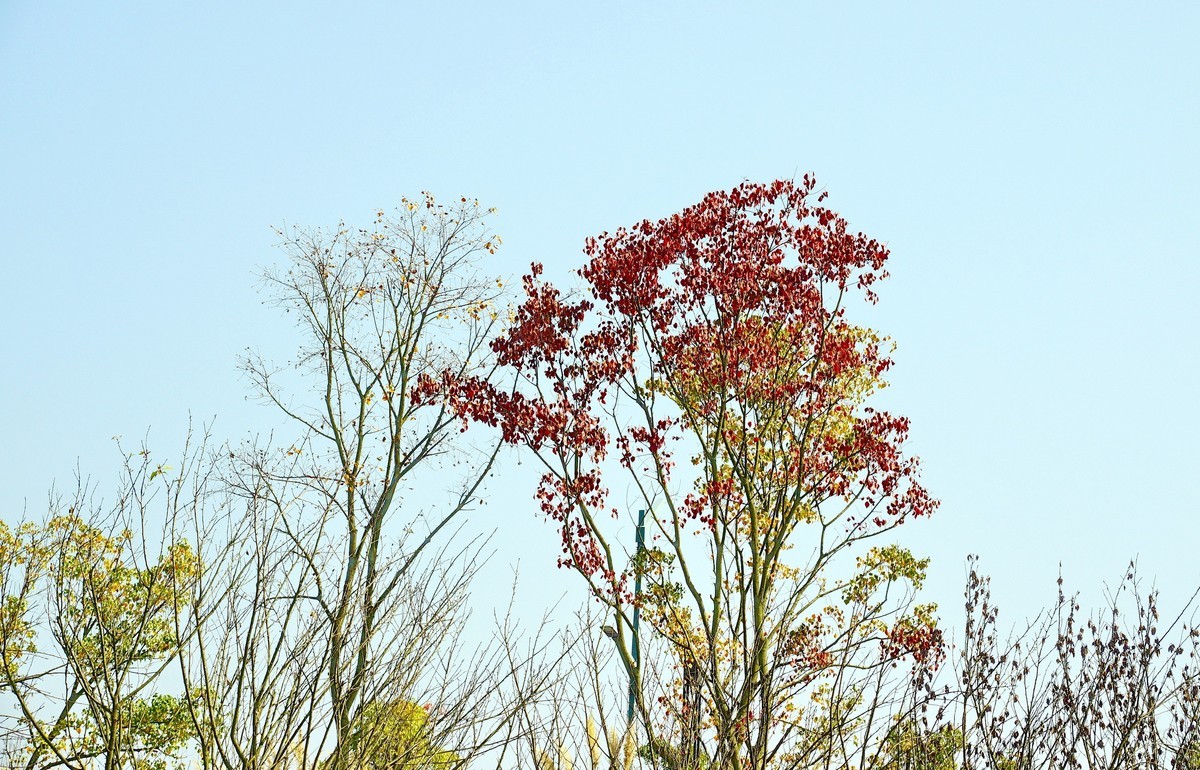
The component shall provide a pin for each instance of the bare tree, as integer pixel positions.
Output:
(1117, 688)
(346, 604)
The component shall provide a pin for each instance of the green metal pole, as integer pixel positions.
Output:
(637, 593)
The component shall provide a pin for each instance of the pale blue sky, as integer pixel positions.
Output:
(1033, 166)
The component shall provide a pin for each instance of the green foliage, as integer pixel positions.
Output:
(908, 747)
(881, 566)
(666, 756)
(83, 605)
(1189, 757)
(395, 735)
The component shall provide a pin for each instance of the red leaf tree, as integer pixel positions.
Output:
(710, 374)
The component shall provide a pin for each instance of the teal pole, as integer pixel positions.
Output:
(637, 593)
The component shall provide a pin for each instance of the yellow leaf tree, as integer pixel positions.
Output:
(87, 627)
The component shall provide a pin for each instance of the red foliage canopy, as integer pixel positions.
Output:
(722, 325)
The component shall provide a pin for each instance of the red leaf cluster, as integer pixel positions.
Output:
(722, 325)
(922, 642)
